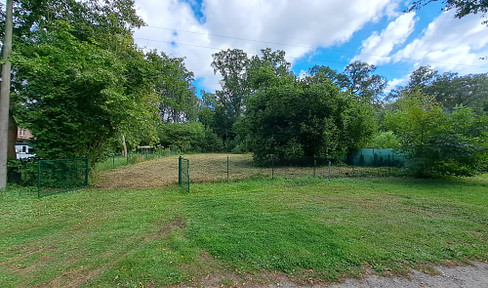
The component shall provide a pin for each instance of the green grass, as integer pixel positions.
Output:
(307, 228)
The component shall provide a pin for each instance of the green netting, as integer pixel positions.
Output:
(184, 173)
(375, 157)
(61, 175)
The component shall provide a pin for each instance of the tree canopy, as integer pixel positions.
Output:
(289, 118)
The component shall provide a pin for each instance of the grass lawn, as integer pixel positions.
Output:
(240, 232)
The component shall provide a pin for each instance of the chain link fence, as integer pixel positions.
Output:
(221, 167)
(113, 161)
(62, 175)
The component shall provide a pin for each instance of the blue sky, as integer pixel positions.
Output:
(315, 32)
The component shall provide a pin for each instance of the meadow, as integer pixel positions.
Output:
(241, 233)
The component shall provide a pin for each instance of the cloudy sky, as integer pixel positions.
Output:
(315, 32)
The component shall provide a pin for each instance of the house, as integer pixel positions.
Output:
(22, 148)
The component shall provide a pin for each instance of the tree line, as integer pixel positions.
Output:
(81, 85)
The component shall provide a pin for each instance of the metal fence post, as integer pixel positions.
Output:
(272, 167)
(86, 171)
(179, 170)
(39, 180)
(314, 165)
(329, 170)
(188, 174)
(227, 167)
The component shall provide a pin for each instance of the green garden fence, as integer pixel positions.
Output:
(184, 173)
(368, 157)
(62, 175)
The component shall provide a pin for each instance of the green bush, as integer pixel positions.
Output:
(23, 172)
(289, 118)
(189, 137)
(384, 140)
(439, 142)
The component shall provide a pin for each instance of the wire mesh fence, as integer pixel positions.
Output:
(213, 167)
(62, 175)
(221, 167)
(113, 161)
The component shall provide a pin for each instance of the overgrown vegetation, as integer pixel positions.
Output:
(306, 228)
(85, 89)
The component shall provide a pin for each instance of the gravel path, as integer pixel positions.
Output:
(450, 277)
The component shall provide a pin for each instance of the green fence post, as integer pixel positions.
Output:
(389, 165)
(272, 167)
(227, 167)
(86, 171)
(314, 165)
(179, 170)
(329, 170)
(39, 180)
(188, 173)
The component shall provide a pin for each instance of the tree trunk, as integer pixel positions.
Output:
(5, 96)
(124, 152)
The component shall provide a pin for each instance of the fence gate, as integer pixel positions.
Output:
(184, 173)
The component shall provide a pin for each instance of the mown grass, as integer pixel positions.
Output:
(307, 228)
(219, 167)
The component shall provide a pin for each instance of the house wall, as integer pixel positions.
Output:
(24, 134)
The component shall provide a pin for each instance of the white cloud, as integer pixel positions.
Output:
(305, 25)
(397, 82)
(449, 44)
(377, 48)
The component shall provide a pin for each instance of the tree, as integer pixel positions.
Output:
(288, 119)
(471, 90)
(176, 97)
(323, 73)
(463, 7)
(5, 96)
(361, 81)
(451, 89)
(423, 77)
(438, 142)
(238, 83)
(233, 66)
(78, 74)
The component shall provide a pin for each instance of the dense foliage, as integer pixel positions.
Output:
(439, 142)
(188, 137)
(288, 118)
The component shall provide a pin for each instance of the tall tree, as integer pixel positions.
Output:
(239, 82)
(289, 118)
(5, 95)
(177, 101)
(323, 73)
(450, 89)
(76, 73)
(233, 65)
(368, 87)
